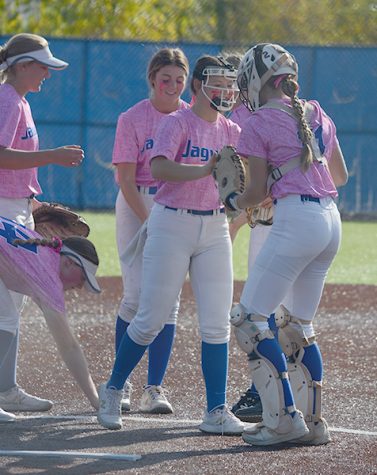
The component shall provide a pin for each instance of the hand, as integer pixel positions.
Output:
(236, 224)
(68, 156)
(267, 202)
(210, 165)
(37, 204)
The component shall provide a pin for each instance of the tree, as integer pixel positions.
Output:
(241, 22)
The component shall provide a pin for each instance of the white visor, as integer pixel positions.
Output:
(43, 56)
(88, 268)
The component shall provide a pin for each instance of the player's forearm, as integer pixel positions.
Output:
(236, 225)
(167, 170)
(19, 159)
(134, 200)
(338, 167)
(76, 362)
(71, 352)
(251, 197)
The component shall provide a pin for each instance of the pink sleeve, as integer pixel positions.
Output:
(169, 138)
(252, 142)
(126, 146)
(10, 115)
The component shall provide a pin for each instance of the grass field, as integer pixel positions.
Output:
(356, 263)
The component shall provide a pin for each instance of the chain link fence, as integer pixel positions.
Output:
(81, 104)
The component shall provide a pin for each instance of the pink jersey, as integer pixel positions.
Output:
(184, 137)
(135, 138)
(240, 115)
(30, 270)
(17, 131)
(273, 136)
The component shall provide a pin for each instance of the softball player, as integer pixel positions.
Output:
(25, 63)
(249, 407)
(43, 270)
(134, 146)
(297, 140)
(187, 232)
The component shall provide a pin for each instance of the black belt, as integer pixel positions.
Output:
(303, 198)
(151, 190)
(310, 198)
(199, 212)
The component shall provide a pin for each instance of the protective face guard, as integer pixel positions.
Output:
(228, 96)
(243, 86)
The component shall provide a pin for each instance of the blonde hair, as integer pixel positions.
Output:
(167, 57)
(290, 87)
(19, 44)
(78, 244)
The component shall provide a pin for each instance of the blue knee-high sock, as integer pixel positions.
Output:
(128, 356)
(120, 330)
(271, 350)
(215, 372)
(159, 354)
(312, 359)
(272, 326)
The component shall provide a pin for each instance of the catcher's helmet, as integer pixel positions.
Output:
(258, 65)
(227, 96)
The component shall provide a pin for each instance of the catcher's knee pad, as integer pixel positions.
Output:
(294, 336)
(307, 393)
(268, 382)
(249, 328)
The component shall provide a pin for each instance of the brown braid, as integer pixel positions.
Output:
(290, 87)
(54, 243)
(78, 244)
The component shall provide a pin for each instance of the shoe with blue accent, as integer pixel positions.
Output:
(221, 421)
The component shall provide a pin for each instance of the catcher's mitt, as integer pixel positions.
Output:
(53, 219)
(260, 215)
(229, 174)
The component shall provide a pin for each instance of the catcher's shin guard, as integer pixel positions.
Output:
(265, 376)
(292, 339)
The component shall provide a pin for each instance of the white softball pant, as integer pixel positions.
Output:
(127, 225)
(296, 257)
(177, 243)
(258, 236)
(21, 211)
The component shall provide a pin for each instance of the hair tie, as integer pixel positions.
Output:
(58, 248)
(279, 79)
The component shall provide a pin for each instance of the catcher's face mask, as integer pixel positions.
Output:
(219, 85)
(88, 268)
(258, 65)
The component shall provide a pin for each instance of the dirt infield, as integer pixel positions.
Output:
(172, 444)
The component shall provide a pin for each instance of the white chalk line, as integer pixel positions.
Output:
(81, 455)
(169, 421)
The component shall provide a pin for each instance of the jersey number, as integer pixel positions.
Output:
(10, 233)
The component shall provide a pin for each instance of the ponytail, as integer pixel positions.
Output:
(290, 87)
